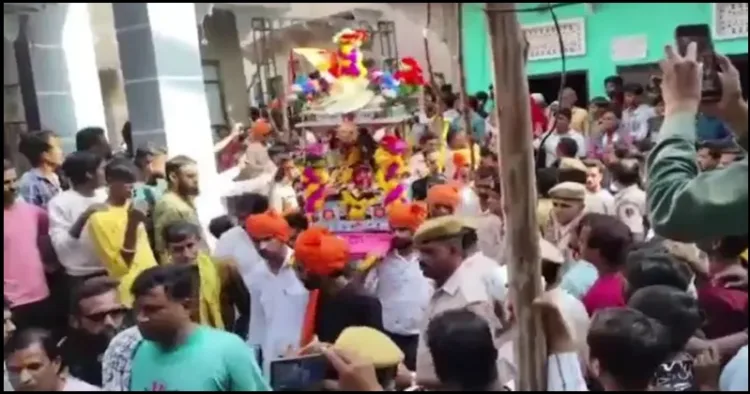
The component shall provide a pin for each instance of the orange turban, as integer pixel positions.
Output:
(268, 225)
(409, 216)
(460, 160)
(261, 128)
(321, 252)
(443, 195)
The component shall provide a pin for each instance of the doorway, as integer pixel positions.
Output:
(642, 73)
(549, 86)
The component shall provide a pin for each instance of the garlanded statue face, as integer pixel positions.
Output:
(347, 133)
(362, 177)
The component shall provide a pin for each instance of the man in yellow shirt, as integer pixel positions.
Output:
(118, 234)
(178, 202)
(579, 120)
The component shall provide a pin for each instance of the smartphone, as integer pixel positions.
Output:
(701, 35)
(304, 373)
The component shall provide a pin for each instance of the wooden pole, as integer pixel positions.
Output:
(519, 188)
(465, 115)
(437, 122)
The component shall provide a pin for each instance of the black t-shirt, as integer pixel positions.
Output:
(83, 357)
(676, 374)
(347, 308)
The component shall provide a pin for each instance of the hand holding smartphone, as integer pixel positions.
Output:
(305, 373)
(701, 35)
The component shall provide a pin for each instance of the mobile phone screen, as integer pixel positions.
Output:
(302, 373)
(701, 35)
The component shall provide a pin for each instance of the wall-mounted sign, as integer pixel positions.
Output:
(629, 48)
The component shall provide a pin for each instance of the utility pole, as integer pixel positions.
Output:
(519, 188)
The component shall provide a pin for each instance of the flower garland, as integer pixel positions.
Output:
(356, 207)
(314, 183)
(391, 168)
(352, 156)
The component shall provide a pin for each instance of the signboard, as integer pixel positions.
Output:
(628, 48)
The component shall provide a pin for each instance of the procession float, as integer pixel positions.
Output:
(358, 168)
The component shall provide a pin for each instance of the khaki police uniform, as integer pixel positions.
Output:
(466, 288)
(560, 234)
(630, 208)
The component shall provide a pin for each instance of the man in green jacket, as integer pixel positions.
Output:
(683, 203)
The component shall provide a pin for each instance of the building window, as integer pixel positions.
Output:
(214, 94)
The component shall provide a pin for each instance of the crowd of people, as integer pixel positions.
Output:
(110, 283)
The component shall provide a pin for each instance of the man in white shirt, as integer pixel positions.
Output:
(636, 113)
(562, 129)
(402, 288)
(597, 196)
(278, 298)
(235, 243)
(70, 210)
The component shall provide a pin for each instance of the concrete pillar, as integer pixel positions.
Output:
(66, 78)
(161, 66)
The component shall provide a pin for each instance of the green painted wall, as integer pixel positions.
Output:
(609, 20)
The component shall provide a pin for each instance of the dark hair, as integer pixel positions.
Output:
(8, 165)
(181, 282)
(594, 163)
(175, 164)
(249, 203)
(487, 152)
(626, 172)
(452, 134)
(614, 79)
(600, 102)
(729, 247)
(657, 100)
(470, 238)
(127, 136)
(550, 272)
(634, 88)
(676, 309)
(297, 221)
(89, 138)
(449, 99)
(482, 96)
(121, 169)
(80, 166)
(91, 287)
(146, 151)
(180, 230)
(565, 112)
(34, 144)
(629, 346)
(715, 148)
(220, 225)
(650, 264)
(614, 111)
(23, 339)
(568, 147)
(611, 237)
(546, 179)
(462, 349)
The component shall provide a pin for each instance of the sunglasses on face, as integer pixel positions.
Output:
(99, 317)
